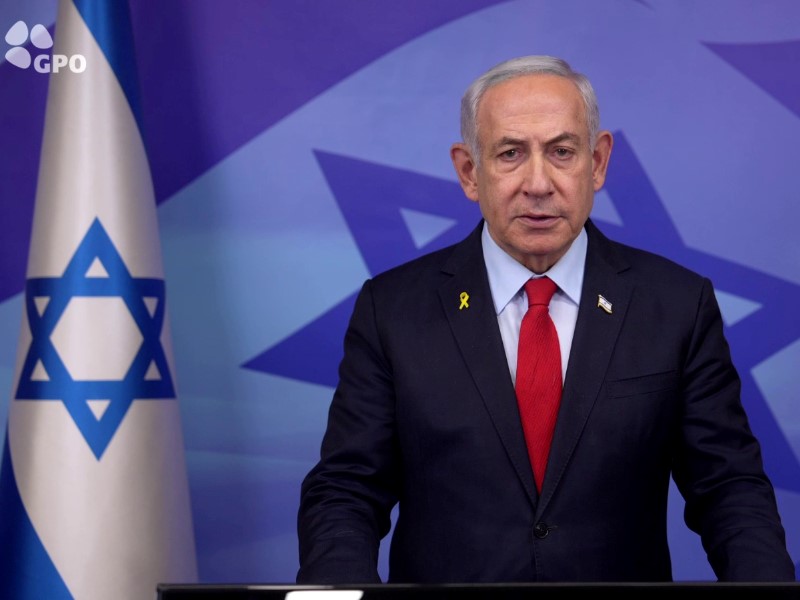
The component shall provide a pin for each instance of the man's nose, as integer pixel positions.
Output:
(538, 181)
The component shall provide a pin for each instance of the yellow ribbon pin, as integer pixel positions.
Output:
(464, 296)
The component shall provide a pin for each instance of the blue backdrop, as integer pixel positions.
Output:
(300, 146)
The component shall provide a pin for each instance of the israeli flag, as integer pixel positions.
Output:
(94, 500)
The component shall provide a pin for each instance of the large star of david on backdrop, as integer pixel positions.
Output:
(411, 202)
(55, 369)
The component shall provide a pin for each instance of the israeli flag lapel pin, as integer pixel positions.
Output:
(603, 303)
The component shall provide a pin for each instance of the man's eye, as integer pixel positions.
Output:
(563, 152)
(512, 153)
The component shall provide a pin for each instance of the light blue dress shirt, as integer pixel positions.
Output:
(506, 280)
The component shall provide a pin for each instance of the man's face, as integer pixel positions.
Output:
(537, 175)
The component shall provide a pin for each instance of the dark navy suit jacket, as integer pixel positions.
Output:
(425, 415)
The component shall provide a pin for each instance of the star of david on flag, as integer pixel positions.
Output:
(94, 494)
(95, 275)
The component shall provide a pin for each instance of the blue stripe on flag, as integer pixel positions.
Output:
(25, 568)
(110, 24)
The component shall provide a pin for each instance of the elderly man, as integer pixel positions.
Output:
(526, 394)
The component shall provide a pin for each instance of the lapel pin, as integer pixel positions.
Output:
(464, 297)
(603, 303)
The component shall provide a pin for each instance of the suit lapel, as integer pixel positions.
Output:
(596, 333)
(478, 336)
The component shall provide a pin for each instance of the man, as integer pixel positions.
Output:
(426, 413)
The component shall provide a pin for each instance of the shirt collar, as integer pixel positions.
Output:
(507, 276)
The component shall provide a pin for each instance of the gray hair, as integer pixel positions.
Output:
(517, 67)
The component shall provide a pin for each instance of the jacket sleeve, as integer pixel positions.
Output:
(718, 468)
(347, 498)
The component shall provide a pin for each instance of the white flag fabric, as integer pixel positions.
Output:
(94, 499)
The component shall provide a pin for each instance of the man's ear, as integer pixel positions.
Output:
(600, 157)
(465, 169)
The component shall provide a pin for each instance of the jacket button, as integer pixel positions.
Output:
(541, 530)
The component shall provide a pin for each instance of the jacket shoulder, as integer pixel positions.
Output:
(434, 266)
(644, 264)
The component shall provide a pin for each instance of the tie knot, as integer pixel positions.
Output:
(540, 290)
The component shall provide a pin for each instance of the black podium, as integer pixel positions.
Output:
(537, 591)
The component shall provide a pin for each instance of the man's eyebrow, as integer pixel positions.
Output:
(567, 136)
(509, 141)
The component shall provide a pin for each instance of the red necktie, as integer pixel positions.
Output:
(538, 374)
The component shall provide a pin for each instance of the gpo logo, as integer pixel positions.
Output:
(40, 38)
